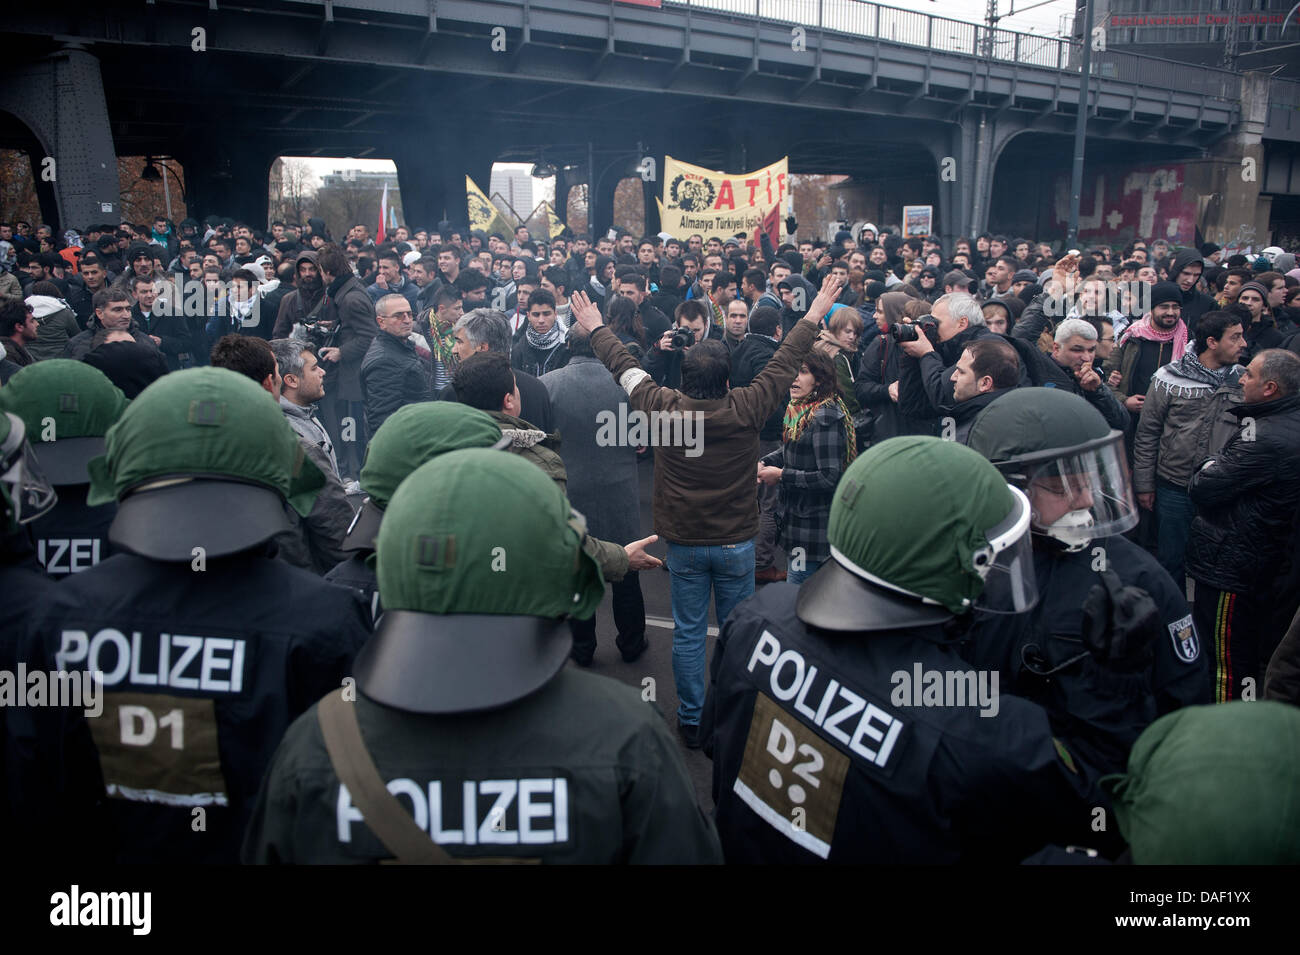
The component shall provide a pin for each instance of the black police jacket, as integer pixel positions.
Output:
(50, 788)
(205, 667)
(72, 536)
(825, 750)
(1083, 694)
(358, 576)
(581, 771)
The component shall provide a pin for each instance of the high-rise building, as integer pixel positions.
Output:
(1202, 31)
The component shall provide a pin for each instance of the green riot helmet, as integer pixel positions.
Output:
(68, 407)
(902, 557)
(1060, 451)
(480, 565)
(25, 491)
(412, 435)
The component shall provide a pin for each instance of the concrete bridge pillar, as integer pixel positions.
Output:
(1228, 179)
(61, 101)
(432, 181)
(225, 177)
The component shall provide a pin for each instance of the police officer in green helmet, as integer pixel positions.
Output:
(68, 407)
(209, 646)
(1071, 465)
(411, 435)
(465, 737)
(417, 433)
(846, 727)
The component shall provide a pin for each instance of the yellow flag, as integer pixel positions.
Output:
(484, 216)
(553, 224)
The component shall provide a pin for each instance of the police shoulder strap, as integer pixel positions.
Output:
(356, 769)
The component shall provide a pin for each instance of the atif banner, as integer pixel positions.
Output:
(698, 200)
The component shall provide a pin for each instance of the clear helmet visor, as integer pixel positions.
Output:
(24, 481)
(1007, 563)
(1082, 495)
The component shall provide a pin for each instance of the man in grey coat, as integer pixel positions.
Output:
(316, 542)
(602, 481)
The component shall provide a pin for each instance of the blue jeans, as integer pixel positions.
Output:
(799, 576)
(1174, 513)
(727, 570)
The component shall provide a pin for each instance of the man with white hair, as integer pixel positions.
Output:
(1074, 347)
(925, 372)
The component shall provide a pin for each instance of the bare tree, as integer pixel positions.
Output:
(293, 191)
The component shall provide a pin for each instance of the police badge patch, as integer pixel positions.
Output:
(1183, 632)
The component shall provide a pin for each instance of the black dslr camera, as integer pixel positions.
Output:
(911, 333)
(321, 334)
(682, 338)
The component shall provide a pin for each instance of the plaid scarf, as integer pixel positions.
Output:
(799, 413)
(440, 341)
(546, 342)
(715, 311)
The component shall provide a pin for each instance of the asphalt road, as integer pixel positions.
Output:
(657, 661)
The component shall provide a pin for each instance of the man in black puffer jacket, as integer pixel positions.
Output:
(392, 373)
(1246, 499)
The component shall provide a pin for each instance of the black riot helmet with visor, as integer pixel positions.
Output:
(24, 489)
(1060, 451)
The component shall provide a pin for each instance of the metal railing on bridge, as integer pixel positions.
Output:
(911, 28)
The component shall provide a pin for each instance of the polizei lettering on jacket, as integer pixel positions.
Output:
(210, 665)
(505, 812)
(839, 712)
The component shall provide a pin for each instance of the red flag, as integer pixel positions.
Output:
(383, 214)
(772, 226)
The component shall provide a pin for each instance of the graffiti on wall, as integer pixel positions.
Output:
(1123, 203)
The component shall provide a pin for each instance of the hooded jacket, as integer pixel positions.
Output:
(57, 324)
(299, 304)
(1187, 417)
(750, 357)
(1195, 304)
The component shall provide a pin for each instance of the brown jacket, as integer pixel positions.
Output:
(705, 479)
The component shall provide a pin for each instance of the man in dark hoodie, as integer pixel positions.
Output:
(302, 303)
(1185, 272)
(793, 304)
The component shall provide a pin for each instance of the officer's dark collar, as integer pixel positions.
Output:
(459, 663)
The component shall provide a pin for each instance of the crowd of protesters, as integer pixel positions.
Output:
(1194, 358)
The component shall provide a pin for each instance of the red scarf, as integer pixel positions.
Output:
(1145, 329)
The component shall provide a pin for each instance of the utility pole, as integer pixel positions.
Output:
(1230, 36)
(1080, 127)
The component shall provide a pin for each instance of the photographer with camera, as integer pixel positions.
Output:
(931, 350)
(705, 493)
(664, 361)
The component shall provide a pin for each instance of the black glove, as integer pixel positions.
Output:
(791, 226)
(1120, 624)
